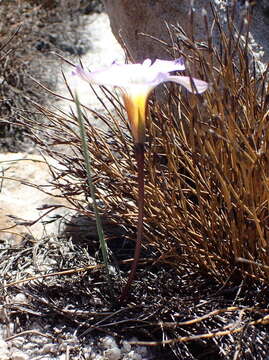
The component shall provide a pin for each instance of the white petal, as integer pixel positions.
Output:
(114, 75)
(193, 85)
(138, 77)
(147, 62)
(167, 66)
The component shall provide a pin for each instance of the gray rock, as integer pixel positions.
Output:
(131, 19)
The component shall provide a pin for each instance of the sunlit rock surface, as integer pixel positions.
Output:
(22, 203)
(131, 22)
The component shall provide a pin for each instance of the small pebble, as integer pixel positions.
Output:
(126, 346)
(18, 342)
(4, 353)
(48, 348)
(134, 356)
(3, 345)
(142, 350)
(108, 341)
(58, 329)
(19, 355)
(113, 353)
(97, 357)
(20, 298)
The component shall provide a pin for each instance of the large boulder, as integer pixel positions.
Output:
(131, 22)
(131, 19)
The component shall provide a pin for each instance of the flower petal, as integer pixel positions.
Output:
(191, 84)
(166, 66)
(147, 62)
(141, 78)
(114, 75)
(136, 105)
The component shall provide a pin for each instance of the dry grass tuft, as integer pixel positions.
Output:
(206, 164)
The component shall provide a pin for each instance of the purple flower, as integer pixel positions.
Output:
(136, 82)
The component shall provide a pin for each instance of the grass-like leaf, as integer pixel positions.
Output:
(87, 162)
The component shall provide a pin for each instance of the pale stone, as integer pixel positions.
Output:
(18, 342)
(134, 356)
(19, 298)
(49, 348)
(113, 354)
(19, 355)
(4, 352)
(126, 346)
(19, 200)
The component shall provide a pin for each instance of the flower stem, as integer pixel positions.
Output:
(139, 154)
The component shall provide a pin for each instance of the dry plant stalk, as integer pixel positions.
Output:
(206, 164)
